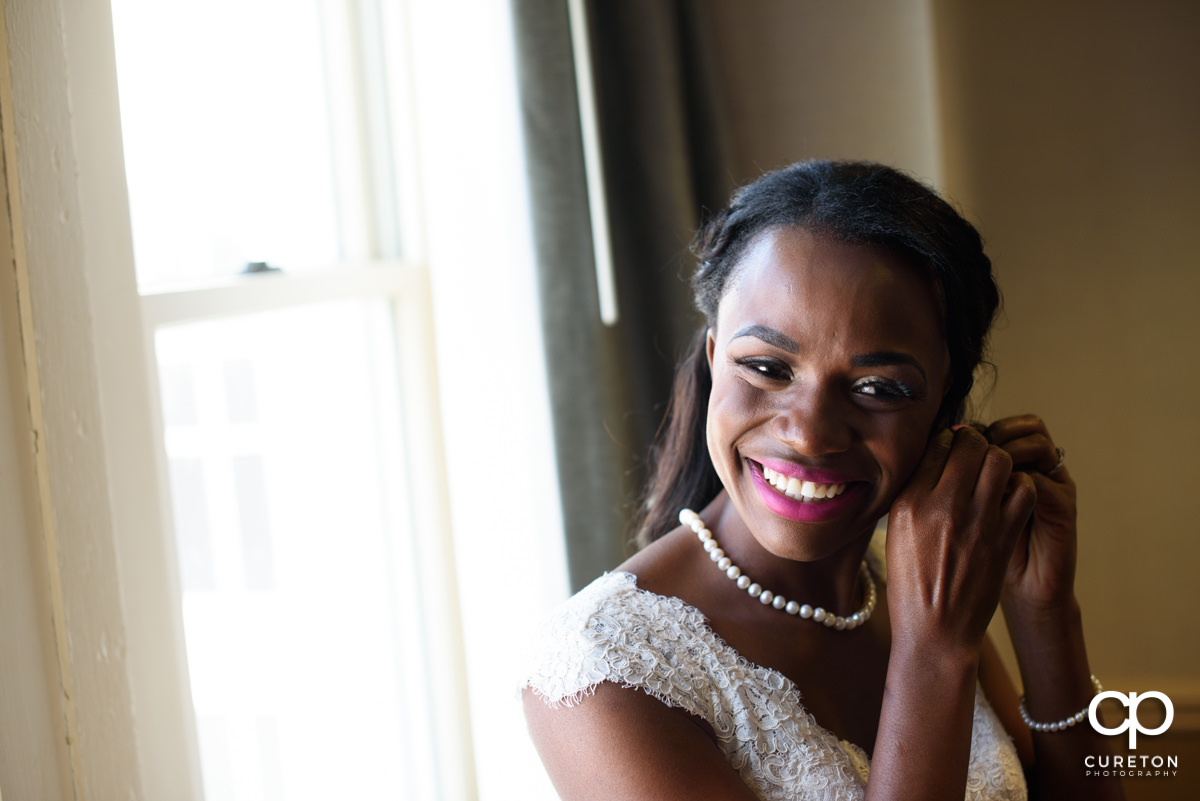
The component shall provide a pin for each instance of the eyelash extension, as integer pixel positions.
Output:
(766, 368)
(885, 389)
(891, 389)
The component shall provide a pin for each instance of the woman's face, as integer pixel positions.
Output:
(828, 367)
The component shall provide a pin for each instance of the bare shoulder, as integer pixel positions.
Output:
(620, 743)
(617, 742)
(671, 566)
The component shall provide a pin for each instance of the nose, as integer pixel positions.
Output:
(813, 421)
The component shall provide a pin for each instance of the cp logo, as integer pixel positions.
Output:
(1131, 722)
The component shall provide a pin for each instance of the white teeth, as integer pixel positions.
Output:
(804, 491)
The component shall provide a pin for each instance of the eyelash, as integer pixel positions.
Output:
(890, 389)
(766, 368)
(883, 389)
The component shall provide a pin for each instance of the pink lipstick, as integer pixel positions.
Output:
(810, 510)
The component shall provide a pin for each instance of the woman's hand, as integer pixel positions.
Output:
(951, 533)
(1041, 573)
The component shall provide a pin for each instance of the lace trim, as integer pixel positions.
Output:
(613, 631)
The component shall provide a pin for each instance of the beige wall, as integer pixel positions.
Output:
(813, 79)
(1070, 133)
(1074, 141)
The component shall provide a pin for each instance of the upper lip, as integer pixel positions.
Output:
(813, 474)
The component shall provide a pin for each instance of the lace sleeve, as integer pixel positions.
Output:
(569, 657)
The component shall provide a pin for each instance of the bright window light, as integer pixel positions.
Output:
(283, 473)
(227, 136)
(283, 423)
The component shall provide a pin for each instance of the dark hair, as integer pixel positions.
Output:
(853, 202)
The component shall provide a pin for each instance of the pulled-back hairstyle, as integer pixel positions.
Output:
(857, 203)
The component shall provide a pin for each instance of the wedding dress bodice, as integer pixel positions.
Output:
(613, 631)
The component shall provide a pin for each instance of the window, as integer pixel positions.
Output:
(270, 170)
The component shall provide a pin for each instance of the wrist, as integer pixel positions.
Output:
(936, 661)
(1046, 637)
(1050, 620)
(1052, 658)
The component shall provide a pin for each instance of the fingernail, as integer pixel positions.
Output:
(960, 425)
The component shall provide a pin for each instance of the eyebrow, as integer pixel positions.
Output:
(883, 358)
(768, 335)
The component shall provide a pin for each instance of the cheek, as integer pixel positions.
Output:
(730, 415)
(905, 445)
(716, 431)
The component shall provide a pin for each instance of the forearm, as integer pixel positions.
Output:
(924, 741)
(1053, 661)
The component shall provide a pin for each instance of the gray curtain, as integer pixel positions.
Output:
(665, 160)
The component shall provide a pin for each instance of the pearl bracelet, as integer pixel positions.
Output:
(1058, 725)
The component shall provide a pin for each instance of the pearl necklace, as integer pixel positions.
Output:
(767, 598)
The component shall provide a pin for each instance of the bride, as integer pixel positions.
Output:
(759, 645)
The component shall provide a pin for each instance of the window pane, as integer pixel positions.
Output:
(227, 136)
(299, 595)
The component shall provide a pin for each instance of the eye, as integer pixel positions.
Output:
(771, 369)
(883, 388)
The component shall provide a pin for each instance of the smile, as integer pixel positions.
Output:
(803, 491)
(805, 498)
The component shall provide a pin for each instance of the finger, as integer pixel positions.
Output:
(1018, 559)
(966, 458)
(1019, 501)
(1057, 489)
(995, 476)
(1033, 452)
(1007, 429)
(929, 471)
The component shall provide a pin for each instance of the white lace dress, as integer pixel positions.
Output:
(612, 631)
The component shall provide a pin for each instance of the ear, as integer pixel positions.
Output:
(710, 345)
